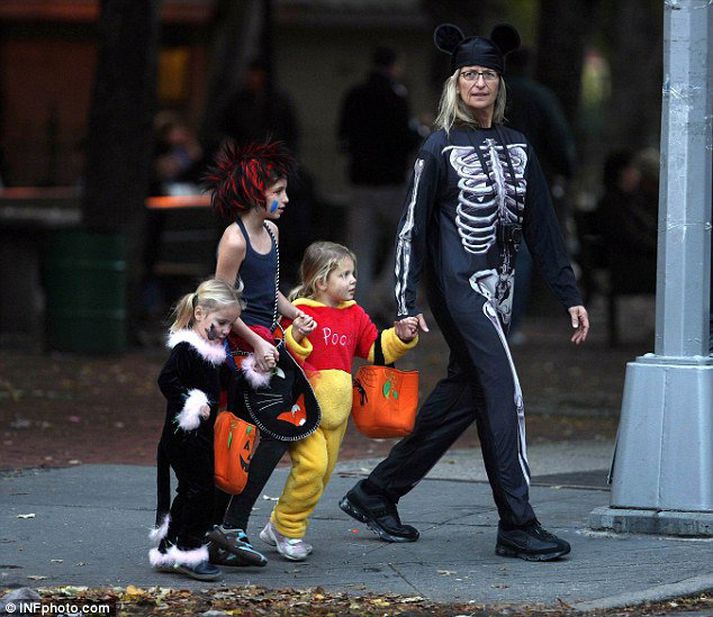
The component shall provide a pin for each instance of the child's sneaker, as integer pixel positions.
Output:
(231, 547)
(202, 571)
(294, 549)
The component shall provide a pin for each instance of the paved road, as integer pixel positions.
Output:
(87, 525)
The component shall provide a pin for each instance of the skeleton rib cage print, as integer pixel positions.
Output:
(488, 191)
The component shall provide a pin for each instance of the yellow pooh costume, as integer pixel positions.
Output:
(343, 332)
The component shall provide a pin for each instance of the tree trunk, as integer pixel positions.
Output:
(238, 36)
(120, 137)
(119, 147)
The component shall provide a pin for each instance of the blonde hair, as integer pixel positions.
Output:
(213, 294)
(452, 110)
(319, 261)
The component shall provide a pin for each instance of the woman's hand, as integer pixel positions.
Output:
(406, 328)
(266, 355)
(580, 321)
(421, 320)
(204, 412)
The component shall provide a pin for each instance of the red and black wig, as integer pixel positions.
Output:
(239, 177)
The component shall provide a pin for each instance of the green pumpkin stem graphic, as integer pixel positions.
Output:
(389, 390)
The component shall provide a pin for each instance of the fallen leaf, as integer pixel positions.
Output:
(132, 590)
(72, 590)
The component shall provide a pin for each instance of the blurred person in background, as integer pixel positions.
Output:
(260, 111)
(627, 218)
(177, 166)
(533, 109)
(375, 131)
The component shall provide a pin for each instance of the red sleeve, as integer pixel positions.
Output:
(366, 333)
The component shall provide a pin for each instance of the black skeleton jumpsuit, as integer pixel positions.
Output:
(463, 189)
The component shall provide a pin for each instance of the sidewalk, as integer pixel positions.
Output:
(88, 525)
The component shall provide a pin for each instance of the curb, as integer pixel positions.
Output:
(686, 587)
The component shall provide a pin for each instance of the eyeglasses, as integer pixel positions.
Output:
(488, 76)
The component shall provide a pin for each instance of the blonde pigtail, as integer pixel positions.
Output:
(183, 313)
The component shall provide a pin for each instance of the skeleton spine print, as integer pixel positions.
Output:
(492, 187)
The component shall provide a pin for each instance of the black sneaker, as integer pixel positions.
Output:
(532, 543)
(379, 514)
(231, 547)
(203, 571)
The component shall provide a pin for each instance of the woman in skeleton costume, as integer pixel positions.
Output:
(476, 191)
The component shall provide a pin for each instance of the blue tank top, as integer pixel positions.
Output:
(258, 275)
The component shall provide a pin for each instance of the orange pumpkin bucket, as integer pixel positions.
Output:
(385, 399)
(233, 445)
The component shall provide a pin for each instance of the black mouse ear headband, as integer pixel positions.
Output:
(476, 50)
(505, 38)
(447, 37)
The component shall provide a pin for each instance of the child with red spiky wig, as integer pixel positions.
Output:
(249, 189)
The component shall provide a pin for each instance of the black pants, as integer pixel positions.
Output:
(480, 386)
(191, 458)
(234, 510)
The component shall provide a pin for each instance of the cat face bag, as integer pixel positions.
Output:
(281, 403)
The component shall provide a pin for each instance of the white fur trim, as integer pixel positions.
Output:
(175, 556)
(190, 416)
(157, 558)
(159, 533)
(188, 558)
(212, 352)
(256, 378)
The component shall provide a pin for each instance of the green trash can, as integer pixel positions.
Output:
(85, 282)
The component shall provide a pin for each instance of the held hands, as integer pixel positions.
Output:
(407, 327)
(302, 325)
(204, 412)
(580, 321)
(266, 356)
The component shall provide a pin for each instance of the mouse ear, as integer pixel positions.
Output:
(506, 38)
(447, 37)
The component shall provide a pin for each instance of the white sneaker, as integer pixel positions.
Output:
(294, 549)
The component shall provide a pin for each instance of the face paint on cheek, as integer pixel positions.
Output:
(211, 333)
(274, 206)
